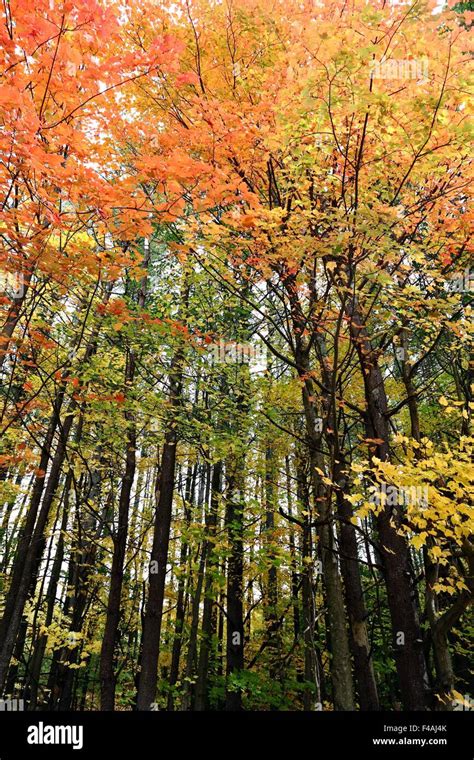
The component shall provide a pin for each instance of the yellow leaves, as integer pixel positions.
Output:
(455, 700)
(433, 493)
(450, 585)
(355, 498)
(450, 406)
(443, 588)
(364, 510)
(457, 697)
(419, 540)
(437, 554)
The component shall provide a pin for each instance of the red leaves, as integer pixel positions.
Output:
(188, 77)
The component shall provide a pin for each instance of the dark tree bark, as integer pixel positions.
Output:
(196, 594)
(181, 600)
(28, 556)
(294, 567)
(234, 594)
(109, 641)
(40, 645)
(354, 593)
(271, 581)
(208, 622)
(159, 554)
(406, 631)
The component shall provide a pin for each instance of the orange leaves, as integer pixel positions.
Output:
(10, 96)
(173, 168)
(100, 398)
(247, 220)
(151, 165)
(40, 160)
(65, 97)
(39, 339)
(32, 26)
(115, 307)
(189, 77)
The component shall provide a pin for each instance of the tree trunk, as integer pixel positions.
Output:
(354, 594)
(159, 553)
(201, 702)
(234, 595)
(270, 600)
(27, 559)
(181, 600)
(406, 632)
(109, 641)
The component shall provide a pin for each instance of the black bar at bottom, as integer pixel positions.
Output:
(161, 734)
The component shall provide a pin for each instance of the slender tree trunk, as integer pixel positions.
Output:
(234, 594)
(350, 568)
(294, 567)
(340, 662)
(78, 594)
(181, 601)
(312, 671)
(207, 628)
(40, 646)
(159, 554)
(191, 663)
(28, 556)
(109, 641)
(107, 656)
(271, 590)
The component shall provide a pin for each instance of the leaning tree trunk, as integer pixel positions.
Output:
(42, 640)
(28, 559)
